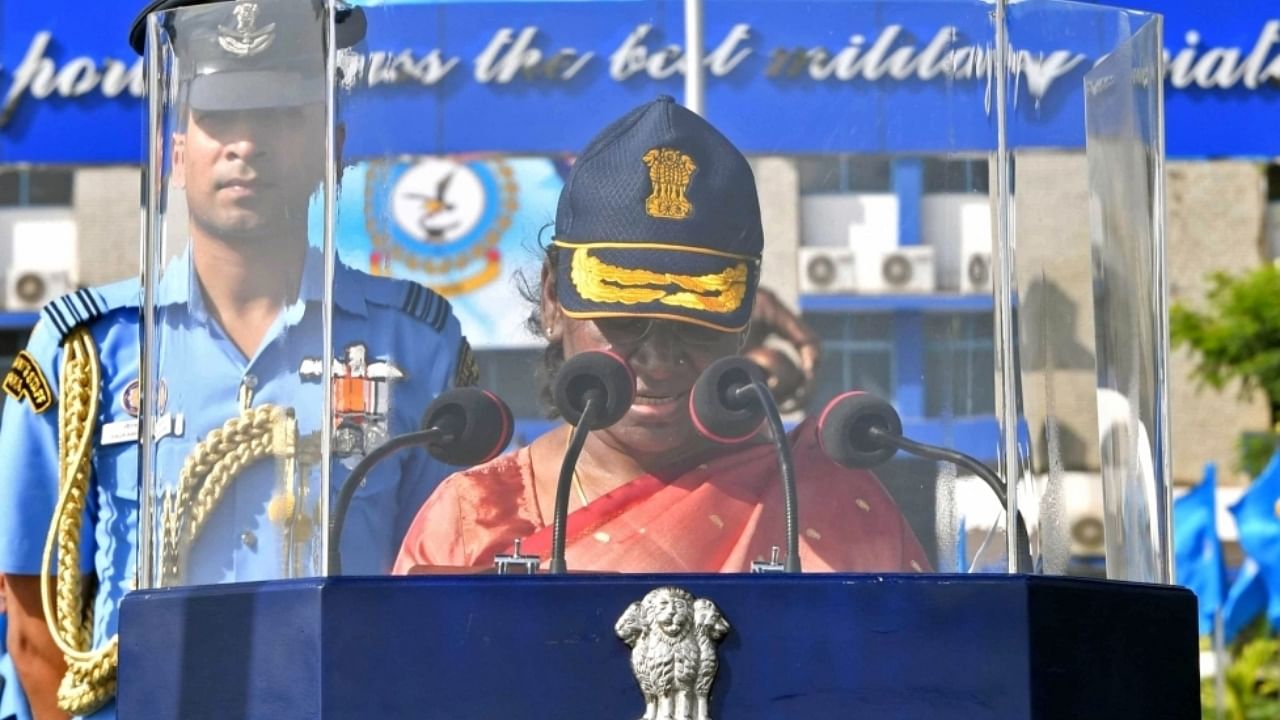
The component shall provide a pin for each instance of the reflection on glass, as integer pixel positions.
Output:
(880, 211)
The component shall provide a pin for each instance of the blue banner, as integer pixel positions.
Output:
(791, 77)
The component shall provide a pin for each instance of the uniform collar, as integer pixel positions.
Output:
(178, 285)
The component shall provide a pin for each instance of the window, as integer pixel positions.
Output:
(511, 375)
(955, 175)
(874, 174)
(956, 357)
(843, 174)
(959, 365)
(29, 186)
(857, 354)
(1273, 210)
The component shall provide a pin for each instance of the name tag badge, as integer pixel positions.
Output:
(121, 431)
(126, 431)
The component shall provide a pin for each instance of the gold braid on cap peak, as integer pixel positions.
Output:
(598, 281)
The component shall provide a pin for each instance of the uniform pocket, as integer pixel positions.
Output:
(116, 469)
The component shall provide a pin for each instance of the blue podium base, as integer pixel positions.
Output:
(809, 646)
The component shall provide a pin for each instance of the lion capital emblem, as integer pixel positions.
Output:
(669, 173)
(673, 652)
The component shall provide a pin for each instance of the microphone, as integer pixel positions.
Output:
(477, 421)
(463, 426)
(859, 430)
(723, 403)
(597, 375)
(729, 403)
(592, 391)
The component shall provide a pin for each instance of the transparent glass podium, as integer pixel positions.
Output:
(349, 210)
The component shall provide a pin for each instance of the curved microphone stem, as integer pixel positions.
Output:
(577, 439)
(356, 478)
(787, 468)
(972, 465)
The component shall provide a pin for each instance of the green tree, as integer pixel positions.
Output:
(1237, 337)
(1252, 680)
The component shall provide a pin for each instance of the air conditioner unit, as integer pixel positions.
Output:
(976, 272)
(1083, 508)
(28, 289)
(826, 270)
(958, 226)
(905, 270)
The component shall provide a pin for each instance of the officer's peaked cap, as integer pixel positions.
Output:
(245, 54)
(659, 218)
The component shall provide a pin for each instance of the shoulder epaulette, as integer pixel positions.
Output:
(414, 300)
(88, 304)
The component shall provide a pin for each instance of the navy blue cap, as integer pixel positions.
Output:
(660, 218)
(250, 54)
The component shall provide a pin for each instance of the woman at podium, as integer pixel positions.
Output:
(656, 258)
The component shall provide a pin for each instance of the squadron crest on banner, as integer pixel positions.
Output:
(244, 38)
(442, 218)
(361, 399)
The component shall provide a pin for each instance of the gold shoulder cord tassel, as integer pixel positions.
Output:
(90, 681)
(257, 433)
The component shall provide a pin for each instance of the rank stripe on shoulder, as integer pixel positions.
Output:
(426, 305)
(74, 309)
(441, 311)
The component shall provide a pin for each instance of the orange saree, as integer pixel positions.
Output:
(718, 517)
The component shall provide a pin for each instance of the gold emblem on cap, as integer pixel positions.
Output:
(669, 171)
(244, 39)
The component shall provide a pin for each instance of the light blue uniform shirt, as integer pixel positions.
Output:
(398, 322)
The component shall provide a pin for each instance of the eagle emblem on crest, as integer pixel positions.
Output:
(244, 38)
(673, 652)
(669, 172)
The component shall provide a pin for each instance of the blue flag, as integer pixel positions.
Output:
(962, 548)
(1260, 531)
(1197, 551)
(1246, 600)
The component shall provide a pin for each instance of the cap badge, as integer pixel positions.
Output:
(245, 40)
(669, 172)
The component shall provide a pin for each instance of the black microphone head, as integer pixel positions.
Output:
(718, 414)
(602, 374)
(843, 429)
(478, 422)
